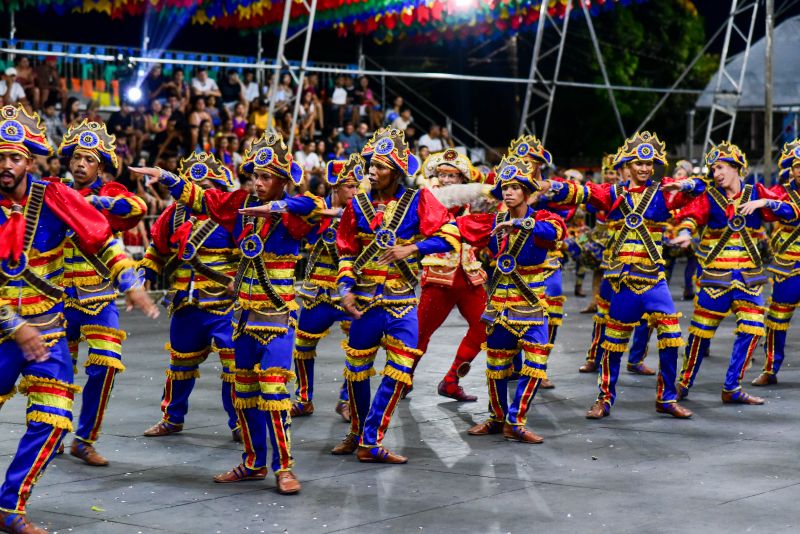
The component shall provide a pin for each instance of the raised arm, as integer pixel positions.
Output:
(122, 208)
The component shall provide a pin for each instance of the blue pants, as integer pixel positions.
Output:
(102, 333)
(785, 298)
(50, 392)
(313, 325)
(193, 334)
(262, 401)
(626, 311)
(711, 307)
(397, 330)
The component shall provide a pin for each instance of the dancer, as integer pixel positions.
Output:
(382, 235)
(198, 259)
(727, 216)
(516, 313)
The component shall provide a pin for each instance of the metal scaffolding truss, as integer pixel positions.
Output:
(728, 90)
(545, 95)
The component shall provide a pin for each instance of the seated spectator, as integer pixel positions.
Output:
(432, 139)
(158, 117)
(26, 78)
(350, 139)
(403, 120)
(154, 85)
(339, 102)
(199, 114)
(423, 152)
(393, 112)
(203, 85)
(250, 86)
(368, 106)
(213, 111)
(205, 138)
(169, 141)
(236, 155)
(260, 119)
(284, 94)
(232, 90)
(447, 141)
(308, 158)
(72, 111)
(92, 113)
(10, 90)
(121, 122)
(307, 116)
(178, 88)
(53, 123)
(363, 134)
(48, 80)
(239, 118)
(285, 128)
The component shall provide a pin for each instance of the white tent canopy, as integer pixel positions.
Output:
(786, 72)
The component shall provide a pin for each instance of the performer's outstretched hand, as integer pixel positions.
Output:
(257, 211)
(349, 305)
(396, 253)
(682, 241)
(749, 207)
(678, 185)
(30, 343)
(503, 228)
(151, 172)
(139, 299)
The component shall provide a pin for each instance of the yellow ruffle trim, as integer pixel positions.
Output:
(494, 374)
(274, 405)
(532, 372)
(186, 355)
(6, 396)
(98, 329)
(698, 332)
(670, 342)
(57, 421)
(304, 355)
(750, 329)
(105, 361)
(359, 376)
(28, 381)
(358, 353)
(309, 335)
(229, 378)
(251, 402)
(275, 371)
(614, 347)
(772, 325)
(398, 375)
(182, 375)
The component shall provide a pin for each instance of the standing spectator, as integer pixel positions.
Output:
(26, 78)
(202, 85)
(349, 138)
(250, 87)
(368, 106)
(10, 90)
(307, 116)
(232, 90)
(432, 139)
(48, 81)
(53, 123)
(339, 104)
(403, 120)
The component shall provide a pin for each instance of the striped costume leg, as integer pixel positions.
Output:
(603, 302)
(104, 338)
(360, 349)
(400, 341)
(749, 310)
(668, 331)
(641, 338)
(554, 298)
(785, 298)
(501, 348)
(313, 325)
(709, 311)
(536, 350)
(247, 353)
(275, 402)
(48, 386)
(222, 344)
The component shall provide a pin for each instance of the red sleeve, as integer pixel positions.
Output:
(770, 194)
(677, 200)
(122, 224)
(223, 207)
(90, 226)
(347, 233)
(600, 195)
(162, 229)
(697, 210)
(432, 214)
(560, 229)
(476, 228)
(296, 225)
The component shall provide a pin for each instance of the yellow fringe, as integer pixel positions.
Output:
(750, 329)
(37, 309)
(251, 402)
(81, 281)
(398, 375)
(121, 266)
(655, 316)
(243, 372)
(614, 347)
(308, 335)
(776, 326)
(5, 397)
(98, 329)
(304, 355)
(533, 373)
(499, 375)
(182, 375)
(230, 378)
(147, 263)
(28, 381)
(57, 421)
(553, 321)
(105, 361)
(389, 341)
(275, 371)
(359, 376)
(670, 342)
(82, 304)
(697, 332)
(358, 353)
(49, 340)
(274, 405)
(599, 319)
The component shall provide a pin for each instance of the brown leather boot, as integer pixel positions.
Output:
(546, 384)
(487, 427)
(379, 455)
(452, 390)
(343, 409)
(241, 473)
(521, 434)
(598, 410)
(162, 428)
(590, 308)
(87, 453)
(287, 483)
(740, 396)
(674, 409)
(347, 446)
(765, 379)
(640, 369)
(18, 524)
(302, 409)
(588, 367)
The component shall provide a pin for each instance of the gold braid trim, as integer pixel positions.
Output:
(57, 421)
(84, 303)
(251, 402)
(105, 361)
(359, 376)
(750, 329)
(699, 332)
(772, 325)
(28, 381)
(229, 378)
(6, 396)
(183, 375)
(98, 329)
(49, 340)
(670, 342)
(493, 374)
(396, 374)
(274, 405)
(533, 373)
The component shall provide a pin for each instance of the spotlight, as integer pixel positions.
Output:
(134, 95)
(463, 5)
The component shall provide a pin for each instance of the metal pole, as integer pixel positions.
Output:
(537, 47)
(303, 63)
(770, 8)
(557, 70)
(287, 12)
(602, 64)
(12, 32)
(690, 134)
(259, 58)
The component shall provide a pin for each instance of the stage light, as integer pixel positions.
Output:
(134, 95)
(463, 5)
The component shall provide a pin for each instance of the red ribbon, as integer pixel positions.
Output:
(12, 237)
(181, 237)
